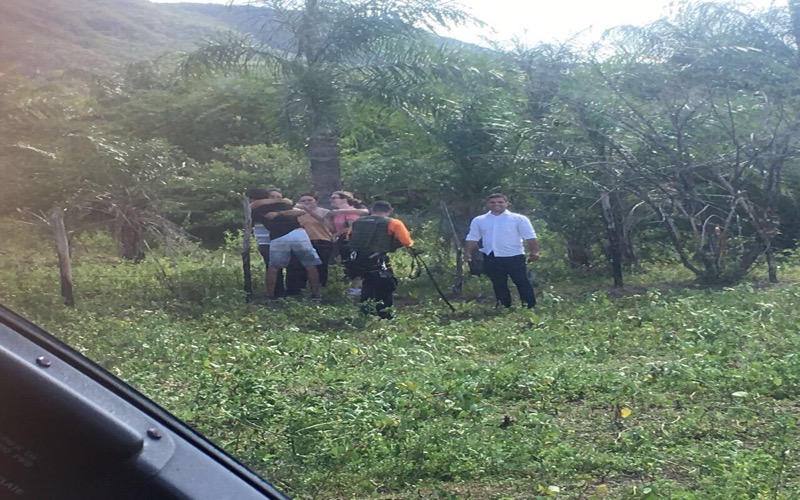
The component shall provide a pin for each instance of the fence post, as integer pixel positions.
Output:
(64, 261)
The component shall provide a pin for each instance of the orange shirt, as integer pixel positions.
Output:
(400, 232)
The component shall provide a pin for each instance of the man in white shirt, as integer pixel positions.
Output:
(503, 233)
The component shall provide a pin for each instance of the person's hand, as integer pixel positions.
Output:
(467, 256)
(533, 257)
(271, 215)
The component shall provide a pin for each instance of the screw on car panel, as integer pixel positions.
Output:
(43, 362)
(154, 433)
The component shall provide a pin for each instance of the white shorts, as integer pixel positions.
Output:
(297, 243)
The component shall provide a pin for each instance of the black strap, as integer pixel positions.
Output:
(415, 257)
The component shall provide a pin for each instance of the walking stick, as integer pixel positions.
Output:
(415, 256)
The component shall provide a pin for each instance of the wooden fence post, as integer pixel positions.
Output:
(64, 260)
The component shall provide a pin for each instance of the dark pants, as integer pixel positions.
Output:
(296, 276)
(378, 288)
(499, 269)
(343, 249)
(279, 288)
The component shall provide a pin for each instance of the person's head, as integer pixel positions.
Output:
(257, 193)
(343, 199)
(308, 200)
(381, 208)
(274, 193)
(497, 203)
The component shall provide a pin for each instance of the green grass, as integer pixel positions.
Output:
(660, 392)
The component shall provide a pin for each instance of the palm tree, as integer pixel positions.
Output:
(322, 54)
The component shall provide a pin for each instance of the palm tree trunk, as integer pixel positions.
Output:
(323, 155)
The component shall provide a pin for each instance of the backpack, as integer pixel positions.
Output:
(369, 243)
(370, 235)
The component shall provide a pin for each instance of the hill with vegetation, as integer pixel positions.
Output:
(42, 36)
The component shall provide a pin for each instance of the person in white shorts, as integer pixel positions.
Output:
(287, 237)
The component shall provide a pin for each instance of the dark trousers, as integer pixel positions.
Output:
(296, 276)
(378, 287)
(499, 269)
(279, 288)
(343, 249)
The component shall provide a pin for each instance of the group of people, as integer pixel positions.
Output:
(303, 239)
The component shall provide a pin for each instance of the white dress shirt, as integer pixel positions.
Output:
(502, 234)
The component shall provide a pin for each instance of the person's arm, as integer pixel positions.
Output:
(471, 241)
(268, 201)
(533, 249)
(293, 212)
(351, 211)
(314, 213)
(529, 235)
(469, 247)
(400, 232)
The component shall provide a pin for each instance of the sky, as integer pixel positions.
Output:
(533, 21)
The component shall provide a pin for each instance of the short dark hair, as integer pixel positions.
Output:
(381, 206)
(309, 194)
(257, 193)
(496, 195)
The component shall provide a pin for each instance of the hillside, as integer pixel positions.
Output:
(42, 36)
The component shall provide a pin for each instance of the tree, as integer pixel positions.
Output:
(53, 155)
(123, 184)
(207, 200)
(702, 114)
(36, 116)
(578, 200)
(154, 100)
(324, 53)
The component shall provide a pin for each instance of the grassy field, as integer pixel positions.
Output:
(659, 391)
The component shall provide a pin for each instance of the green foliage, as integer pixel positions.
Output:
(680, 392)
(208, 199)
(153, 100)
(689, 137)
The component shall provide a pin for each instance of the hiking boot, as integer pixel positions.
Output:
(316, 297)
